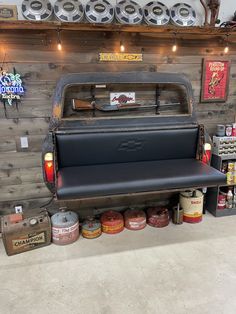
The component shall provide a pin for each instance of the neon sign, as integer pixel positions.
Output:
(10, 87)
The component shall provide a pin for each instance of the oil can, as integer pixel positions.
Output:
(192, 204)
(24, 234)
(65, 227)
(158, 217)
(112, 222)
(91, 228)
(135, 219)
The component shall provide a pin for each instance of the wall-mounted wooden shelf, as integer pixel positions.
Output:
(54, 25)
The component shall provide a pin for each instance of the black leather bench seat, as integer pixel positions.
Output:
(122, 178)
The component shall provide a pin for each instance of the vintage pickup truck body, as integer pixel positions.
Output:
(108, 156)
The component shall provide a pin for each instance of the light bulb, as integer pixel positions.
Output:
(122, 47)
(59, 46)
(174, 48)
(226, 50)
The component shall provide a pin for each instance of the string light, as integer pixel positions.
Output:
(174, 47)
(226, 49)
(122, 47)
(59, 45)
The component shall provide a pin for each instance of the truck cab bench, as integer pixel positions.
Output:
(108, 157)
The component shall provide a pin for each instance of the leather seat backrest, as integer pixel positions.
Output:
(128, 146)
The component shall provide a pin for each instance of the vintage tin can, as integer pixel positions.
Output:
(231, 165)
(221, 200)
(135, 219)
(220, 130)
(91, 228)
(228, 130)
(230, 177)
(192, 206)
(234, 129)
(177, 216)
(158, 217)
(224, 167)
(65, 227)
(112, 222)
(24, 234)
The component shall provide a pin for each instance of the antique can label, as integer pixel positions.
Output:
(230, 177)
(29, 240)
(91, 234)
(113, 229)
(230, 166)
(228, 130)
(65, 235)
(66, 230)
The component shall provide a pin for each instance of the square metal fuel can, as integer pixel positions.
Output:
(21, 234)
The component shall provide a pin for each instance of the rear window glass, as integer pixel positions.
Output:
(121, 100)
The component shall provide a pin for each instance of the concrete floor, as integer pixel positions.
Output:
(176, 270)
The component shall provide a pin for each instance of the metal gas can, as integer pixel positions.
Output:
(24, 234)
(221, 200)
(192, 205)
(112, 222)
(220, 130)
(135, 219)
(65, 227)
(158, 217)
(91, 228)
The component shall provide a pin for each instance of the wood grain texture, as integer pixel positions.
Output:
(54, 25)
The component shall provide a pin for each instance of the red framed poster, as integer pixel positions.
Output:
(215, 80)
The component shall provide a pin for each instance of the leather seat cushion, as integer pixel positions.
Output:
(83, 149)
(122, 178)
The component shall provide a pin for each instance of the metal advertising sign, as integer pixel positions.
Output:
(121, 57)
(8, 12)
(11, 88)
(215, 80)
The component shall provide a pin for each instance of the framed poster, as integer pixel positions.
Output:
(215, 80)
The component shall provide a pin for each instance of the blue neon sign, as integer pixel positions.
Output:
(10, 87)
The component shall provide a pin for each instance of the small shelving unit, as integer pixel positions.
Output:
(213, 193)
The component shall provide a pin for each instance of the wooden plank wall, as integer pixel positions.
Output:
(35, 57)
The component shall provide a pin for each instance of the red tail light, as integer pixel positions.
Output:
(206, 159)
(49, 167)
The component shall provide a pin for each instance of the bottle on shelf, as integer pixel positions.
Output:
(229, 198)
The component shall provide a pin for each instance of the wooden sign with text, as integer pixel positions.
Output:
(121, 57)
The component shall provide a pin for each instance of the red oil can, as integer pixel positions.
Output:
(158, 217)
(135, 219)
(112, 222)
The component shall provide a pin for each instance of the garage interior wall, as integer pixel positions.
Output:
(40, 64)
